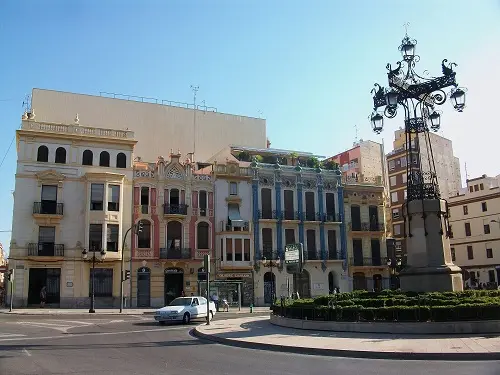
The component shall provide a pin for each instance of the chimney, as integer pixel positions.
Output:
(268, 144)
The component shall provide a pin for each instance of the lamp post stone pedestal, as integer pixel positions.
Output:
(430, 268)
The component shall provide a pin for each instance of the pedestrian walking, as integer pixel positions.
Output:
(43, 296)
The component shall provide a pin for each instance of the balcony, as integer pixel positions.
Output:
(367, 227)
(290, 215)
(45, 249)
(48, 208)
(175, 209)
(227, 227)
(331, 217)
(334, 255)
(272, 254)
(268, 214)
(175, 253)
(312, 216)
(312, 255)
(368, 262)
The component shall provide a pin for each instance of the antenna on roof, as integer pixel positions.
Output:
(466, 174)
(356, 136)
(195, 91)
(27, 103)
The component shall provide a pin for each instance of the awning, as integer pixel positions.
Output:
(234, 216)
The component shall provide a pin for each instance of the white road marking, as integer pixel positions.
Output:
(92, 334)
(11, 335)
(26, 352)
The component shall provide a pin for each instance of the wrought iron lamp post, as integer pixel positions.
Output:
(273, 263)
(93, 260)
(394, 265)
(424, 211)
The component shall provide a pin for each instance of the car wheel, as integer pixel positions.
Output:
(162, 322)
(186, 318)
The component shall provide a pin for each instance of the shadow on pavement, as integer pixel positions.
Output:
(262, 328)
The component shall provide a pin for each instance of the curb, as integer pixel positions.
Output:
(76, 315)
(349, 353)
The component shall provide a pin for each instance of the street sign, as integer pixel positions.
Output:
(294, 258)
(4, 269)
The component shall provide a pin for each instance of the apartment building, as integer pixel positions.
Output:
(158, 125)
(72, 188)
(475, 228)
(447, 170)
(366, 236)
(175, 204)
(3, 262)
(234, 259)
(365, 159)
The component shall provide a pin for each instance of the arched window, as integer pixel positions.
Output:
(104, 159)
(43, 154)
(61, 155)
(88, 157)
(202, 235)
(144, 237)
(121, 160)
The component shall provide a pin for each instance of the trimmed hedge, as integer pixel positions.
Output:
(395, 306)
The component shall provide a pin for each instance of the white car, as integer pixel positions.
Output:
(185, 309)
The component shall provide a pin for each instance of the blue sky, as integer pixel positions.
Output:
(306, 66)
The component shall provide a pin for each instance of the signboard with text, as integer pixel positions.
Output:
(294, 258)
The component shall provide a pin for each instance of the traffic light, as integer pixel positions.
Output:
(10, 275)
(127, 275)
(139, 227)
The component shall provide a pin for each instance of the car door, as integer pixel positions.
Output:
(195, 308)
(203, 307)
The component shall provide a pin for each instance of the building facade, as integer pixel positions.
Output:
(475, 232)
(366, 236)
(3, 262)
(294, 204)
(447, 170)
(234, 257)
(72, 188)
(175, 204)
(158, 125)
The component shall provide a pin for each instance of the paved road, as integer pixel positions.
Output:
(136, 345)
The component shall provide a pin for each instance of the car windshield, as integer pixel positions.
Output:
(181, 302)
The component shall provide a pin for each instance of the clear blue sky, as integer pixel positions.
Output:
(307, 67)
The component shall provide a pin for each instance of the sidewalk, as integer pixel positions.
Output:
(126, 311)
(258, 333)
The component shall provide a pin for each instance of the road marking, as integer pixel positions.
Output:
(11, 335)
(93, 334)
(26, 352)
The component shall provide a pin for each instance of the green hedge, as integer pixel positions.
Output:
(396, 306)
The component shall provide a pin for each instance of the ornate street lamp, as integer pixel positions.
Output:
(424, 212)
(94, 260)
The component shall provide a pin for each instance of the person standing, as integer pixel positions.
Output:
(215, 299)
(43, 296)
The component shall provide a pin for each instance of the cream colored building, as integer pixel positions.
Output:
(3, 262)
(158, 125)
(73, 188)
(475, 225)
(366, 236)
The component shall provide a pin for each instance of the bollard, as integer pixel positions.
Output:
(251, 307)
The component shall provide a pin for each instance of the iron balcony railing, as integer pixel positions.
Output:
(333, 255)
(45, 249)
(268, 214)
(48, 208)
(366, 227)
(226, 226)
(312, 254)
(176, 253)
(271, 254)
(290, 215)
(175, 209)
(312, 216)
(331, 217)
(373, 261)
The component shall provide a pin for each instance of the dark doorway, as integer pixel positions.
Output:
(373, 211)
(332, 245)
(332, 282)
(269, 287)
(359, 281)
(377, 283)
(302, 284)
(357, 249)
(310, 208)
(376, 259)
(143, 287)
(267, 242)
(174, 284)
(289, 208)
(355, 218)
(330, 207)
(289, 236)
(267, 204)
(311, 244)
(40, 277)
(174, 235)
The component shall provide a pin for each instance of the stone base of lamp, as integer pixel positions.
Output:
(429, 265)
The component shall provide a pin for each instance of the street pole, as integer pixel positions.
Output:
(11, 293)
(207, 268)
(92, 300)
(122, 273)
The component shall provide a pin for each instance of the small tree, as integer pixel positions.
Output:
(294, 156)
(312, 162)
(244, 156)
